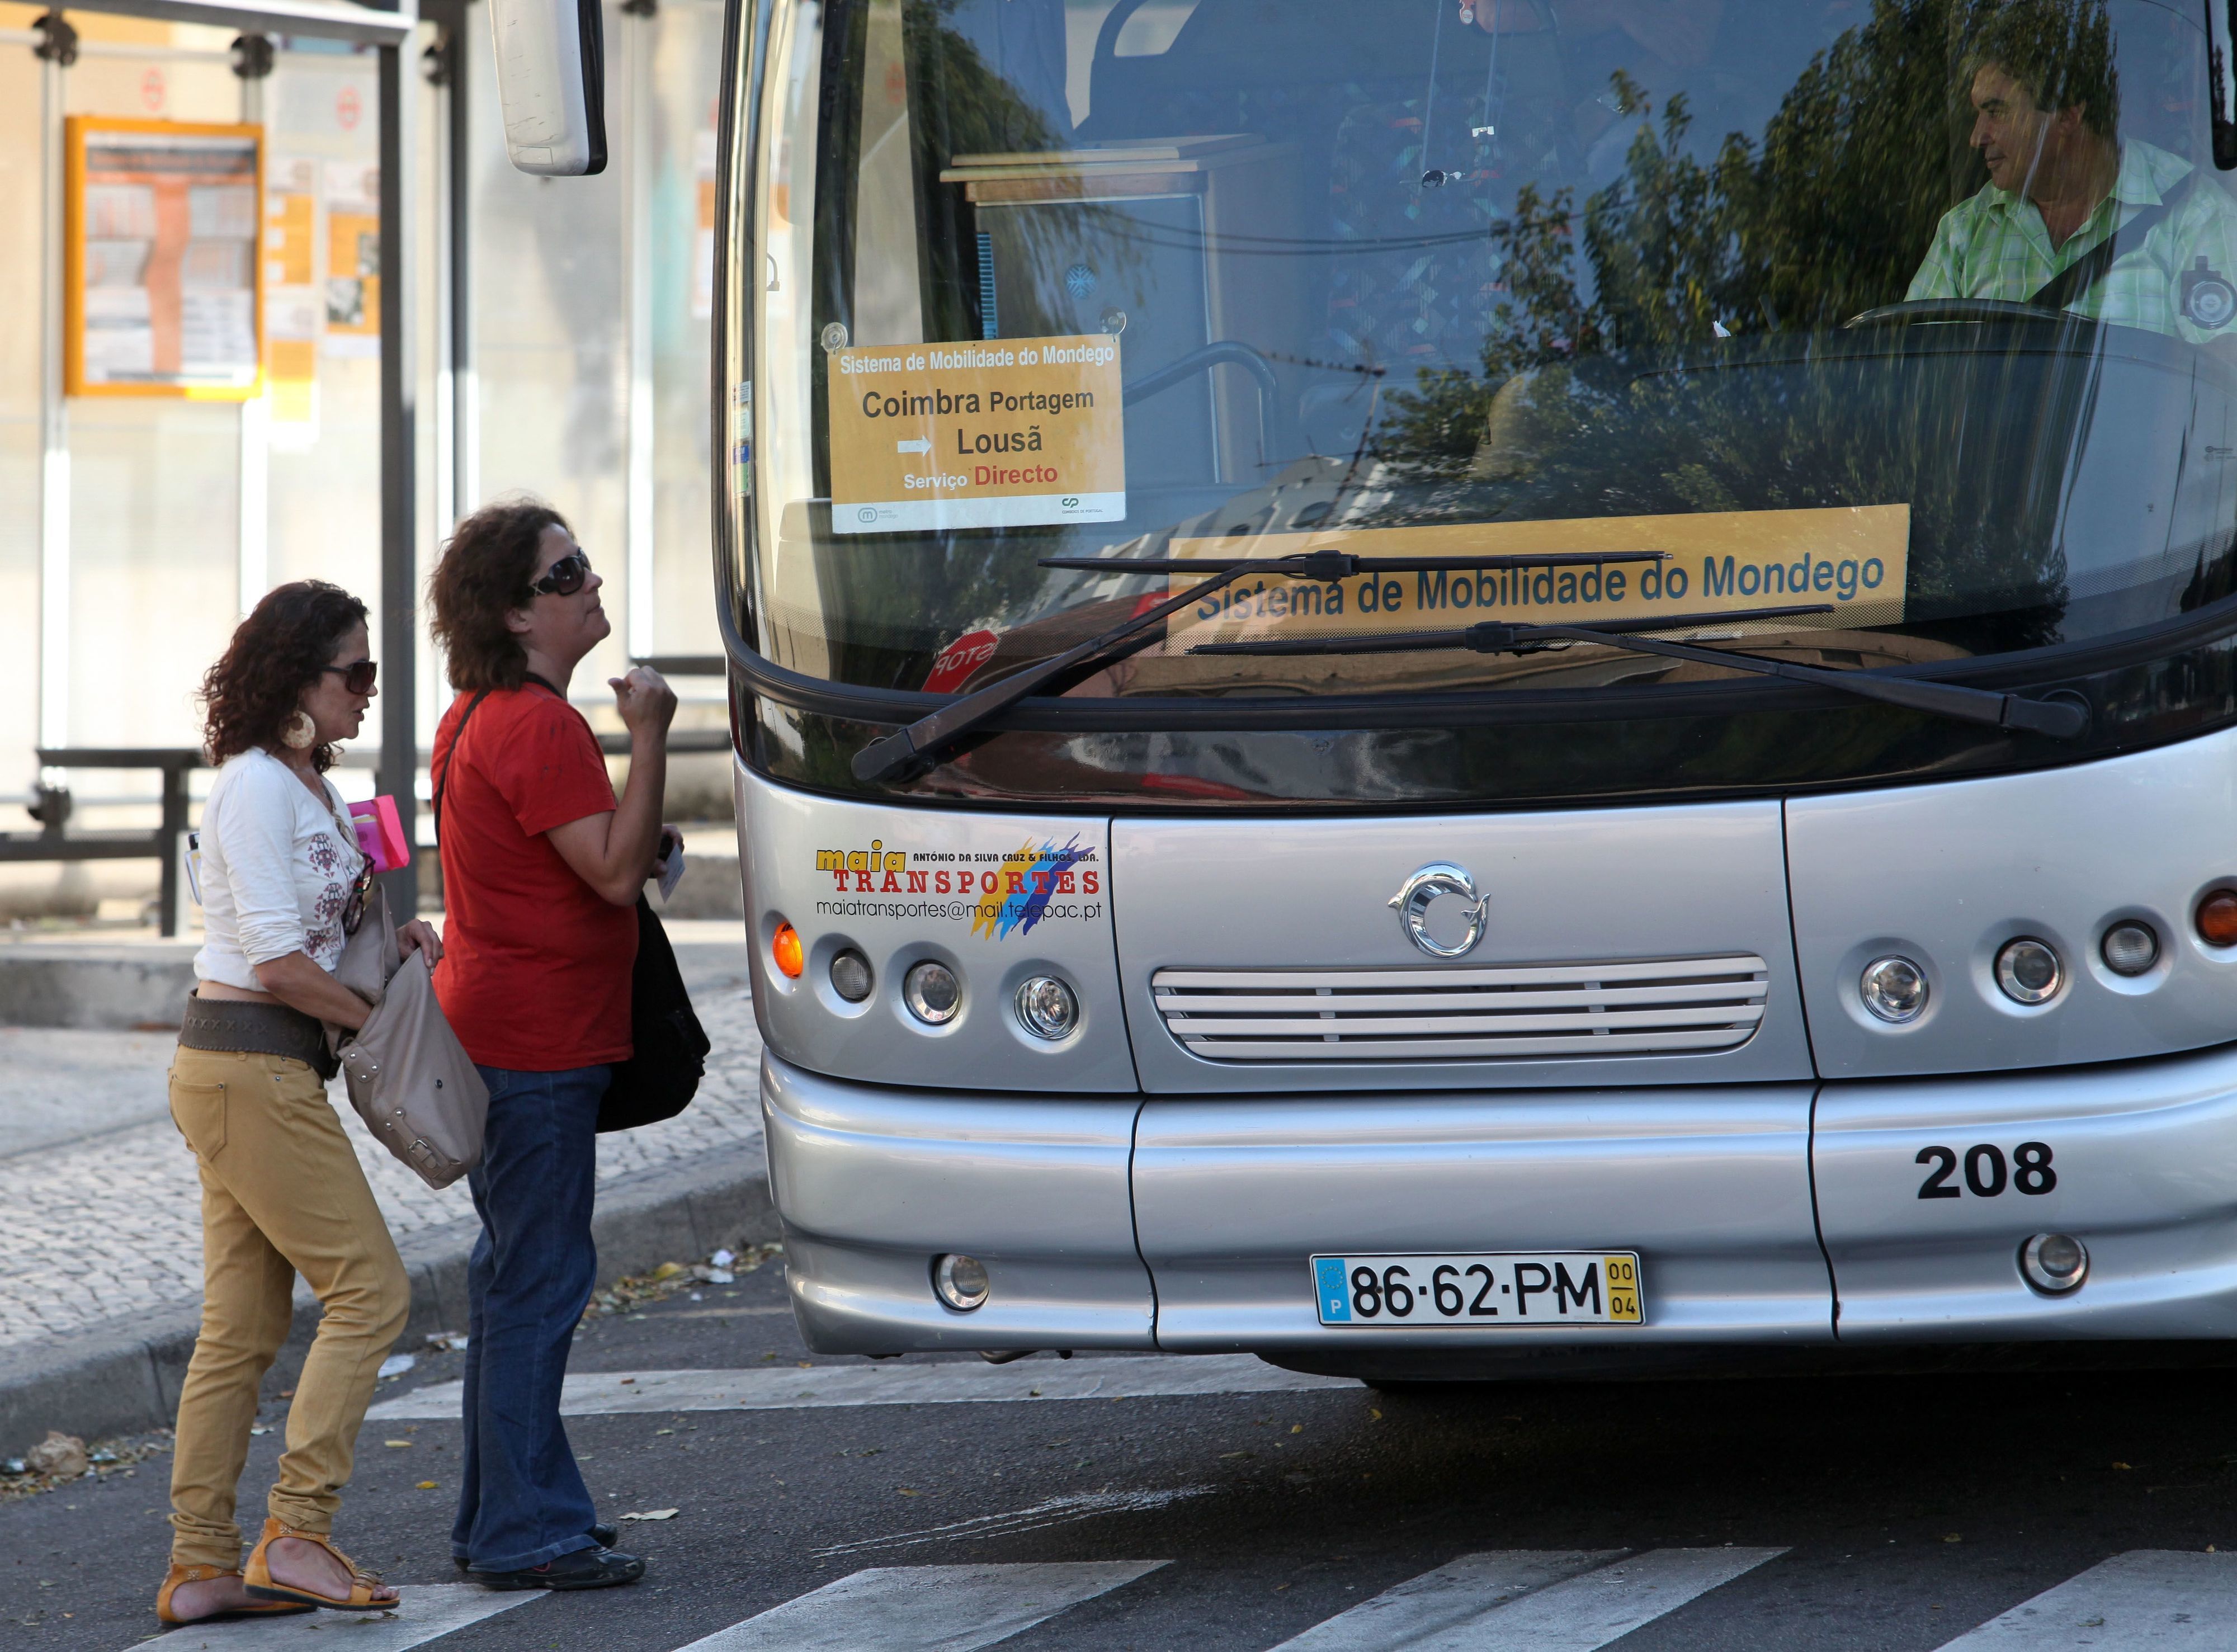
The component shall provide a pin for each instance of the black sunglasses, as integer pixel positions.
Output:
(353, 910)
(565, 577)
(358, 677)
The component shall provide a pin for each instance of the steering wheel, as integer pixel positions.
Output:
(1911, 312)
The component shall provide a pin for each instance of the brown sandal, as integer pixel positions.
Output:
(205, 1574)
(258, 1576)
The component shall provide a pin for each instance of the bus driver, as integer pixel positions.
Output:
(2072, 218)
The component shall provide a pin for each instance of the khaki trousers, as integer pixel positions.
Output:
(282, 1194)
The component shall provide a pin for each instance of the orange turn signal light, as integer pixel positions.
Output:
(784, 947)
(2217, 918)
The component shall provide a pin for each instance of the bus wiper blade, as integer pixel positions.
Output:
(2060, 719)
(908, 746)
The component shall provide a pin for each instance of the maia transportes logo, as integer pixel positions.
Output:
(1002, 893)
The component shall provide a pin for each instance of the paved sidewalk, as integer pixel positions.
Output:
(103, 1207)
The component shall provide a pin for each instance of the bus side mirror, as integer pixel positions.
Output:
(550, 60)
(2221, 80)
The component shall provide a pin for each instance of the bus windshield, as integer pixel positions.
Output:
(1918, 315)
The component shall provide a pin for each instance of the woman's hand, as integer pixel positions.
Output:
(420, 935)
(298, 983)
(645, 701)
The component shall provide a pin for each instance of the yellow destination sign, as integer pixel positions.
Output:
(997, 433)
(1855, 558)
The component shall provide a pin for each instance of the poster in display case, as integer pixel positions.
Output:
(161, 278)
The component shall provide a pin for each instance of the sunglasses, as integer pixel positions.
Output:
(564, 578)
(353, 910)
(357, 678)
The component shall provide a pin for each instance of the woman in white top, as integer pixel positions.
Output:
(283, 885)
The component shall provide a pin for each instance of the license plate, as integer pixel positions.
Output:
(1504, 1288)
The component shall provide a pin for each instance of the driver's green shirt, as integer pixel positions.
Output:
(1994, 245)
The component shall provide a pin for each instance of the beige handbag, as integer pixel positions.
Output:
(408, 1076)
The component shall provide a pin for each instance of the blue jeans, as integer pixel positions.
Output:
(522, 1500)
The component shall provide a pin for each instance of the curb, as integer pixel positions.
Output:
(123, 1378)
(119, 989)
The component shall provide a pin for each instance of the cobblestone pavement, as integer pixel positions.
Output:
(110, 1224)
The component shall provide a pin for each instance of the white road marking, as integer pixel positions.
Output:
(1530, 1601)
(1589, 1611)
(426, 1610)
(1056, 1511)
(924, 1608)
(948, 1382)
(1450, 1596)
(2163, 1599)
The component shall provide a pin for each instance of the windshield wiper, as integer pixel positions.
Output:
(2060, 719)
(908, 746)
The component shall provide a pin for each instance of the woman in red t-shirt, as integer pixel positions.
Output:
(542, 870)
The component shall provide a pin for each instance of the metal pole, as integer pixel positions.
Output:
(58, 52)
(441, 66)
(252, 62)
(465, 410)
(637, 25)
(172, 832)
(400, 618)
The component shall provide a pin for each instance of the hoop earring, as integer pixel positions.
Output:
(299, 732)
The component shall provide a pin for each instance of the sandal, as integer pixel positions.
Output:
(257, 1578)
(205, 1574)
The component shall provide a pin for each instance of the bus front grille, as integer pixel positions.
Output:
(1638, 1007)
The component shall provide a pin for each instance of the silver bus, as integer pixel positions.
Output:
(1439, 689)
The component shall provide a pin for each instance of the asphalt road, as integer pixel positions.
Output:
(1889, 1513)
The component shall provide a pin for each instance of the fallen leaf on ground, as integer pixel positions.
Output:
(397, 1446)
(427, 1485)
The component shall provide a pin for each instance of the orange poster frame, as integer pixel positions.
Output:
(76, 128)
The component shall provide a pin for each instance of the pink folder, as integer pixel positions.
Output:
(381, 833)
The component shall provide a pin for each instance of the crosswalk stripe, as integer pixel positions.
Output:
(1587, 1612)
(1529, 1600)
(924, 1608)
(426, 1610)
(1405, 1614)
(2165, 1599)
(947, 1382)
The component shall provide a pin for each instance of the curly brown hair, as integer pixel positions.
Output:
(483, 575)
(275, 654)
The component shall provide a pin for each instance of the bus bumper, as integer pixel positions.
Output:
(1763, 1216)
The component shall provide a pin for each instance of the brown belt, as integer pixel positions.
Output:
(257, 1029)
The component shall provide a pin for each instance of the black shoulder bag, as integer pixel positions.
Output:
(670, 1047)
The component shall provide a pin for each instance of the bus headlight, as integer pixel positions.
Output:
(931, 992)
(1047, 1009)
(850, 975)
(1894, 989)
(2028, 971)
(2130, 948)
